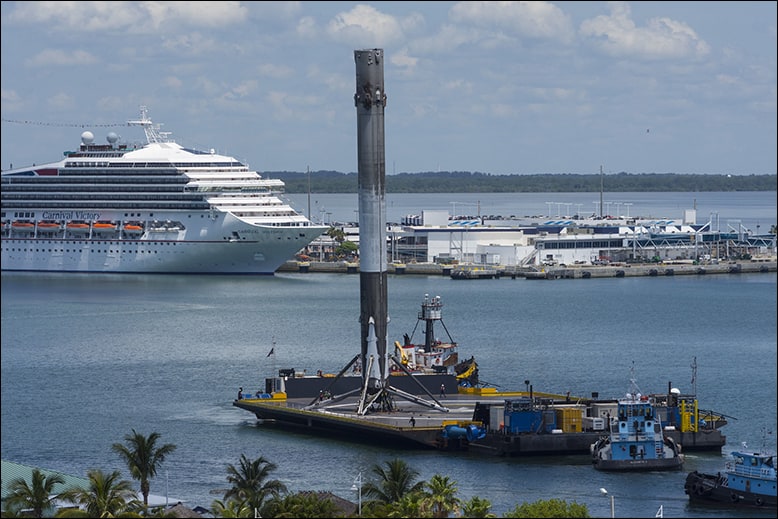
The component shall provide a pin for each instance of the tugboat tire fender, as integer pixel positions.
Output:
(699, 489)
(759, 501)
(733, 496)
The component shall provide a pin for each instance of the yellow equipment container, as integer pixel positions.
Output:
(569, 419)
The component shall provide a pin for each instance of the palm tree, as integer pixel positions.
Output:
(302, 504)
(411, 505)
(394, 481)
(143, 458)
(548, 508)
(442, 497)
(250, 483)
(337, 234)
(37, 497)
(231, 508)
(477, 507)
(107, 496)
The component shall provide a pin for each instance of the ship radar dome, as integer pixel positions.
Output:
(112, 137)
(87, 137)
(675, 391)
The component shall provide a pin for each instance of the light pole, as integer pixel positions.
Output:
(613, 501)
(358, 487)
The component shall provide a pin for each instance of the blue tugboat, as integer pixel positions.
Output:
(748, 481)
(636, 441)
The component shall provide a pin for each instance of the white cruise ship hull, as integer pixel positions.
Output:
(214, 250)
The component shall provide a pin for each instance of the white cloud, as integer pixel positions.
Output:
(460, 86)
(61, 101)
(242, 89)
(133, 17)
(616, 34)
(61, 58)
(448, 38)
(191, 44)
(172, 82)
(333, 81)
(556, 94)
(520, 19)
(274, 71)
(468, 72)
(402, 60)
(497, 25)
(307, 28)
(195, 14)
(365, 27)
(11, 100)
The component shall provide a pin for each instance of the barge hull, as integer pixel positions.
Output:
(580, 443)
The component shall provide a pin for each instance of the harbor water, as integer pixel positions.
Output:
(88, 358)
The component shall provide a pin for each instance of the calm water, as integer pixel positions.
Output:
(85, 359)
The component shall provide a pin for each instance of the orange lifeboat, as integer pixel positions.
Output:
(133, 228)
(104, 227)
(79, 227)
(49, 226)
(22, 225)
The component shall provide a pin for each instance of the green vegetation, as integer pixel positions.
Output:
(345, 248)
(143, 457)
(302, 504)
(549, 508)
(394, 490)
(467, 182)
(106, 496)
(251, 483)
(37, 497)
(393, 482)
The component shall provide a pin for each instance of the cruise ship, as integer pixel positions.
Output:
(153, 207)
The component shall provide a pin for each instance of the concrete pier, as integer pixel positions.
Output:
(577, 272)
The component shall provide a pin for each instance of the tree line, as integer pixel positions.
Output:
(469, 182)
(393, 490)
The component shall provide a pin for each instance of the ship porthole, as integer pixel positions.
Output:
(759, 501)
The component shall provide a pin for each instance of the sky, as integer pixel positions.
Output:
(489, 87)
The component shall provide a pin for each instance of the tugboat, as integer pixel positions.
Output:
(636, 441)
(748, 481)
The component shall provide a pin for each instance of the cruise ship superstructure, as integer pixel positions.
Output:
(156, 207)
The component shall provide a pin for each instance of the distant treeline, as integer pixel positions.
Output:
(467, 182)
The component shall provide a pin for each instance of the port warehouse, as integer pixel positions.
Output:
(434, 237)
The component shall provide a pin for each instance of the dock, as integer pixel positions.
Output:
(550, 272)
